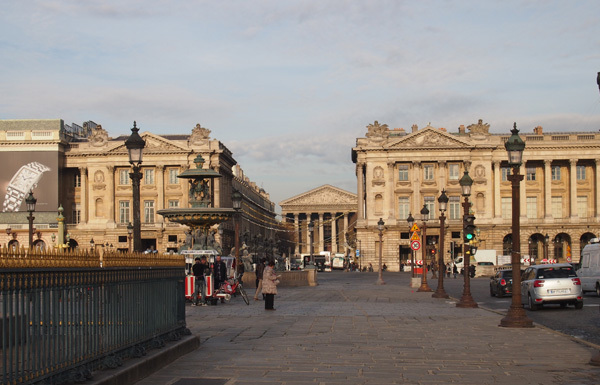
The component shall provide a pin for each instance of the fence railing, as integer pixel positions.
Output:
(66, 315)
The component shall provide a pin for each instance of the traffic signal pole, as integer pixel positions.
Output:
(467, 301)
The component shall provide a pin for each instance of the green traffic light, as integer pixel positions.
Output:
(469, 236)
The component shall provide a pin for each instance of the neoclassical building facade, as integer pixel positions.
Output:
(86, 172)
(399, 172)
(332, 212)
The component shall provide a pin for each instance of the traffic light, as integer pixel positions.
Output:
(469, 228)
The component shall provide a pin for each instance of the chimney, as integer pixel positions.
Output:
(461, 129)
(415, 128)
(538, 130)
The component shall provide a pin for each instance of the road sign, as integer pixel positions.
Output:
(415, 228)
(357, 252)
(415, 237)
(415, 245)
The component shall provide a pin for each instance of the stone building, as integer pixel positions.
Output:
(333, 213)
(86, 172)
(399, 172)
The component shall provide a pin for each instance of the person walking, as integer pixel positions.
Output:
(259, 278)
(455, 270)
(199, 269)
(269, 285)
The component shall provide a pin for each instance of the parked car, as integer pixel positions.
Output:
(501, 283)
(551, 284)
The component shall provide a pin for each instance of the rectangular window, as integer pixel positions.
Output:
(505, 173)
(506, 204)
(173, 172)
(148, 176)
(403, 207)
(532, 207)
(76, 213)
(555, 171)
(453, 171)
(530, 173)
(124, 212)
(77, 180)
(403, 172)
(173, 203)
(428, 172)
(430, 204)
(454, 208)
(580, 172)
(148, 211)
(557, 210)
(582, 206)
(124, 177)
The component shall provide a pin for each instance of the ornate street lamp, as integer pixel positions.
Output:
(129, 234)
(236, 199)
(135, 146)
(30, 201)
(424, 217)
(92, 245)
(380, 227)
(546, 244)
(515, 317)
(440, 292)
(466, 300)
(411, 222)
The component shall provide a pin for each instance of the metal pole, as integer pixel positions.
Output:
(466, 300)
(237, 239)
(515, 317)
(136, 177)
(440, 292)
(380, 279)
(31, 218)
(424, 285)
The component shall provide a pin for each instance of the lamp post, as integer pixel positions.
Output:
(311, 227)
(129, 235)
(440, 292)
(380, 227)
(515, 317)
(546, 244)
(236, 198)
(424, 217)
(92, 245)
(135, 146)
(466, 300)
(411, 222)
(30, 201)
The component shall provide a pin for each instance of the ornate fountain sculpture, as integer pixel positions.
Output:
(201, 215)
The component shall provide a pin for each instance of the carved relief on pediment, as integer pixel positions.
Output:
(428, 139)
(98, 137)
(200, 135)
(323, 197)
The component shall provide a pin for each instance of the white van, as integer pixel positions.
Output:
(589, 269)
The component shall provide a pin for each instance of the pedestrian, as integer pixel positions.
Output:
(448, 270)
(270, 281)
(219, 273)
(259, 278)
(455, 271)
(199, 270)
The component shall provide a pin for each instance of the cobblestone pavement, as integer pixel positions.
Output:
(348, 330)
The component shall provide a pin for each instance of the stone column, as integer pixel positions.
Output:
(390, 192)
(361, 190)
(547, 188)
(345, 231)
(160, 185)
(110, 181)
(573, 187)
(185, 187)
(523, 192)
(83, 196)
(497, 199)
(298, 236)
(416, 188)
(597, 207)
(443, 174)
(321, 228)
(333, 234)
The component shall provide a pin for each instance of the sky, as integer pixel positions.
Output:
(288, 86)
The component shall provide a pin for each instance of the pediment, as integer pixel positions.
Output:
(154, 144)
(325, 195)
(430, 137)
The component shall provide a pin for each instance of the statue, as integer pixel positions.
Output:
(246, 258)
(199, 240)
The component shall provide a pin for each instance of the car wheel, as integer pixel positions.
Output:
(598, 289)
(579, 305)
(491, 291)
(532, 305)
(500, 293)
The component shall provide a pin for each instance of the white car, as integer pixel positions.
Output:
(551, 284)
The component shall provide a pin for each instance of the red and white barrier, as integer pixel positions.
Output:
(190, 280)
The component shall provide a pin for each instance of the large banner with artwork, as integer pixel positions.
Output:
(24, 171)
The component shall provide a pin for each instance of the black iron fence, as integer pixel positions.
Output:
(66, 315)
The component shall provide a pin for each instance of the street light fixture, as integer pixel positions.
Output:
(30, 200)
(129, 234)
(546, 244)
(135, 146)
(92, 245)
(424, 217)
(411, 222)
(380, 227)
(236, 199)
(466, 301)
(440, 292)
(515, 317)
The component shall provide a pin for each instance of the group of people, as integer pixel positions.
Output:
(266, 279)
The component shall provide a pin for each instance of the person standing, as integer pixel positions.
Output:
(199, 269)
(259, 278)
(269, 285)
(454, 270)
(219, 273)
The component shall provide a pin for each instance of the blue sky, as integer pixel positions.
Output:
(288, 86)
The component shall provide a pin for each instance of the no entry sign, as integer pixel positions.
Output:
(415, 245)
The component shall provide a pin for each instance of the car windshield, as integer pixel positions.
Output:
(507, 274)
(556, 272)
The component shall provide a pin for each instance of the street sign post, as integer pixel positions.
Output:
(415, 245)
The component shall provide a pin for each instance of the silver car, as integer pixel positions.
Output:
(549, 284)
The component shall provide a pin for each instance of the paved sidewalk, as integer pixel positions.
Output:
(348, 330)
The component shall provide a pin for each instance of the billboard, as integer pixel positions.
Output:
(23, 171)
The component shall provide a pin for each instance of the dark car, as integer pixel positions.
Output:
(501, 283)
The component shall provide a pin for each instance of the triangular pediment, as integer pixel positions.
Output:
(429, 137)
(154, 144)
(324, 195)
